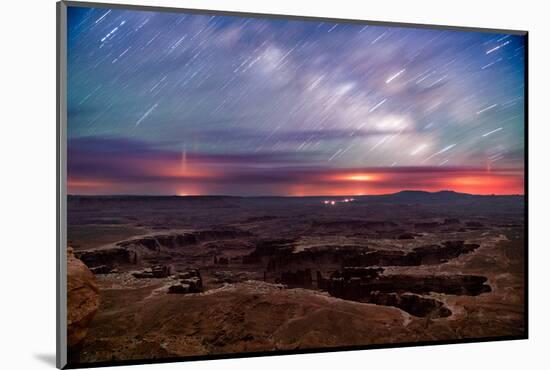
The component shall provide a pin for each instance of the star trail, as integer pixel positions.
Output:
(190, 104)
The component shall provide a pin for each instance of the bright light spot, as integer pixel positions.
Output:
(333, 202)
(360, 177)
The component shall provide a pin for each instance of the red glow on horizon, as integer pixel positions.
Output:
(170, 178)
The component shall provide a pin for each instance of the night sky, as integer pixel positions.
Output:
(172, 103)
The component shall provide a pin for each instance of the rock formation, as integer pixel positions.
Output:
(190, 282)
(370, 285)
(156, 242)
(412, 303)
(82, 299)
(157, 247)
(101, 270)
(279, 255)
(157, 271)
(268, 248)
(230, 277)
(300, 278)
(107, 257)
(424, 255)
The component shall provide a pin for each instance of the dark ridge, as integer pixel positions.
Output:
(418, 194)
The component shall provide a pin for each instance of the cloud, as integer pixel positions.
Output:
(105, 166)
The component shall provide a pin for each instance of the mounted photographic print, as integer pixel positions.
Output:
(234, 184)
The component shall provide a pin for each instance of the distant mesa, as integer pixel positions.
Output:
(439, 195)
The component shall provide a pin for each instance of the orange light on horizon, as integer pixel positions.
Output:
(488, 184)
(471, 180)
(79, 183)
(187, 171)
(188, 178)
(189, 190)
(359, 177)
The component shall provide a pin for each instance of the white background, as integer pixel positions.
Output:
(27, 206)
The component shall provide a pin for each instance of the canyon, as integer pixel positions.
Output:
(215, 275)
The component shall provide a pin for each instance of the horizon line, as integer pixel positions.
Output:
(292, 196)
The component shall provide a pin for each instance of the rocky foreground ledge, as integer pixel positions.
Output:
(82, 300)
